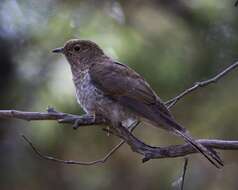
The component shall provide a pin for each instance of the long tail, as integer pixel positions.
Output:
(210, 154)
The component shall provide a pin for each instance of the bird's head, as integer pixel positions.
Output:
(80, 51)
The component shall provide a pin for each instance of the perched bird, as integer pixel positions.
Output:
(114, 91)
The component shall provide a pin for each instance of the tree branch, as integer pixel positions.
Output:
(151, 152)
(138, 146)
(51, 114)
(73, 162)
(214, 79)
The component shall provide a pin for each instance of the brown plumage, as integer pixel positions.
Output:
(115, 91)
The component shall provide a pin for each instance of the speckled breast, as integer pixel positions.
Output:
(93, 101)
(88, 96)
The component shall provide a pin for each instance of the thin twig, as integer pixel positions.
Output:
(102, 160)
(184, 172)
(179, 183)
(73, 162)
(174, 100)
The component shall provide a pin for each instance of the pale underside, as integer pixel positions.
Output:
(94, 102)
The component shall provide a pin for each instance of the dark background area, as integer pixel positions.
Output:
(171, 43)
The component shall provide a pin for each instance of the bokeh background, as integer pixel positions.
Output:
(172, 43)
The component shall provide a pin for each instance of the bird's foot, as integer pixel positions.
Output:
(82, 120)
(79, 120)
(51, 110)
(77, 123)
(146, 158)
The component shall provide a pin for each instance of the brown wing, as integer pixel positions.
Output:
(127, 87)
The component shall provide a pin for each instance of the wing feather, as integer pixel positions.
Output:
(123, 84)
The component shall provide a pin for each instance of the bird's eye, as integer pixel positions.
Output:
(77, 48)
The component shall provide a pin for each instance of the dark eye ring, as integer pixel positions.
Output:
(77, 48)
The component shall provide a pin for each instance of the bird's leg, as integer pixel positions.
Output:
(108, 129)
(86, 119)
(133, 125)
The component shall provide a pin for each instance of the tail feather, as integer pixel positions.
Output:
(210, 155)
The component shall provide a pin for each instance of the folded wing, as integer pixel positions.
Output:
(124, 85)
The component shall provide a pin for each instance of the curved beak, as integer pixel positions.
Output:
(58, 50)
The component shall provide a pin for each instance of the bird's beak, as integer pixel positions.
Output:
(58, 50)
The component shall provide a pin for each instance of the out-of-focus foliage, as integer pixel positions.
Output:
(171, 43)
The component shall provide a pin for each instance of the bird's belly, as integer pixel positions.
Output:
(88, 96)
(115, 112)
(93, 101)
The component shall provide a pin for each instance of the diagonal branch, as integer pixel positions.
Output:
(151, 152)
(214, 79)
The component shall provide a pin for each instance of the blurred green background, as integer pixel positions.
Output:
(172, 43)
